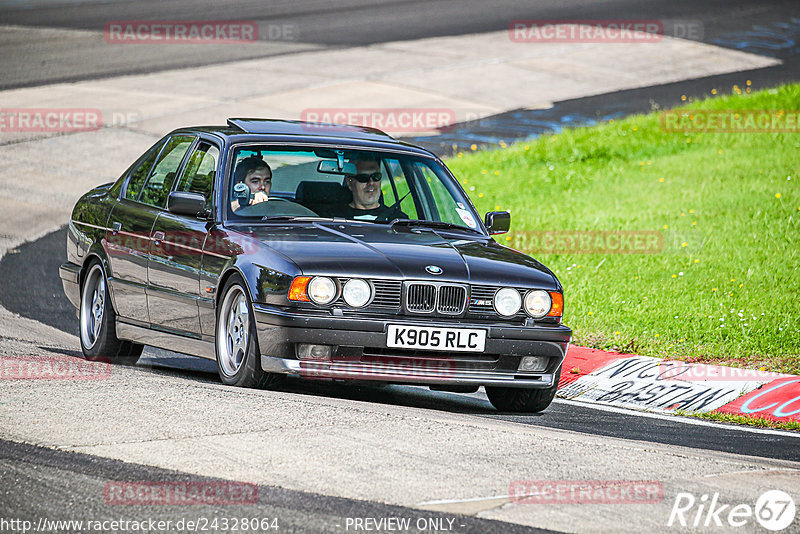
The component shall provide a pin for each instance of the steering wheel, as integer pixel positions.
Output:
(272, 208)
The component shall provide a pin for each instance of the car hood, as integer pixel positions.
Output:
(378, 251)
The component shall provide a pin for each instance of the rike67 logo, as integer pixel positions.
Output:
(774, 510)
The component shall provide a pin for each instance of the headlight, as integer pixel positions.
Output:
(321, 290)
(507, 301)
(356, 292)
(537, 303)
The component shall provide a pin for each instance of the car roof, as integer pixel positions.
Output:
(280, 130)
(324, 129)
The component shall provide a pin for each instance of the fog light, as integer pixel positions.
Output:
(307, 351)
(533, 363)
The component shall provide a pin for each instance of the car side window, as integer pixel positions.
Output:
(198, 176)
(140, 172)
(159, 184)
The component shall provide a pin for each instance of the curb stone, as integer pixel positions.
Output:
(655, 384)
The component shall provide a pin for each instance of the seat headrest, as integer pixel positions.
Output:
(309, 192)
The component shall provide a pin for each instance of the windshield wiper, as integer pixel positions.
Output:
(295, 218)
(433, 225)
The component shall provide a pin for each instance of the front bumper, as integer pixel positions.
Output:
(361, 352)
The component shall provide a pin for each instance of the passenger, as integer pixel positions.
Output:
(252, 181)
(367, 203)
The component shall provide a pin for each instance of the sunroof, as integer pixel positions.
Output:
(287, 127)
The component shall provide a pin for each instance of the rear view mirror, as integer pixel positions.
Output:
(327, 166)
(185, 203)
(498, 222)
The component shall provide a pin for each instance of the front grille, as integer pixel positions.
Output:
(387, 294)
(421, 298)
(446, 299)
(452, 299)
(481, 301)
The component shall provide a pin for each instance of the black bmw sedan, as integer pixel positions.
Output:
(320, 251)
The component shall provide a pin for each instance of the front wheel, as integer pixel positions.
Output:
(522, 400)
(99, 340)
(238, 356)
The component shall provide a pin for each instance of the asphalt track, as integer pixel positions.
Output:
(30, 284)
(57, 477)
(36, 57)
(44, 301)
(525, 124)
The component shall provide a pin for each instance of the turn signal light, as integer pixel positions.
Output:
(297, 291)
(557, 309)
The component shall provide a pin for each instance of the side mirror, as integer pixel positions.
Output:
(185, 203)
(498, 222)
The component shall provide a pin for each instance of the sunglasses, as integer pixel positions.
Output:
(364, 178)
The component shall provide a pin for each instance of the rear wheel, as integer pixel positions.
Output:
(238, 355)
(98, 322)
(522, 400)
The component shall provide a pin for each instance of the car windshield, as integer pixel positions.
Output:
(381, 187)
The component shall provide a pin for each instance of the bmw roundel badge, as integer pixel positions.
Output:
(434, 269)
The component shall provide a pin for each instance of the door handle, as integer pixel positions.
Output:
(157, 237)
(115, 227)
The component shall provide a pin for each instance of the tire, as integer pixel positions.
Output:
(236, 340)
(522, 400)
(98, 332)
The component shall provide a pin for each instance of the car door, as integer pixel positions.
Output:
(127, 243)
(131, 223)
(176, 250)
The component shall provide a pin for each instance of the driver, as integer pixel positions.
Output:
(252, 181)
(367, 204)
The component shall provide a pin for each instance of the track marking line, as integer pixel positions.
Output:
(458, 501)
(776, 470)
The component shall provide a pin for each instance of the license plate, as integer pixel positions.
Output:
(431, 338)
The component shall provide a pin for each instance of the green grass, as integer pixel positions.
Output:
(724, 288)
(761, 422)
